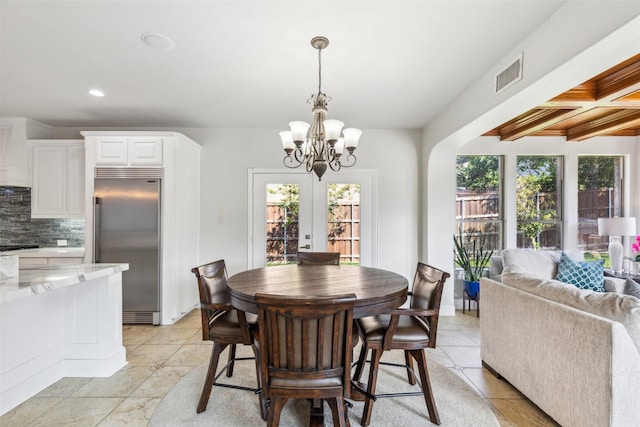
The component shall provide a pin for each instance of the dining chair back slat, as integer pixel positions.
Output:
(305, 347)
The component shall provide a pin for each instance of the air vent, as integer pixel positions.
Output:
(129, 172)
(510, 75)
(141, 317)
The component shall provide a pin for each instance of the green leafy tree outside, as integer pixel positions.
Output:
(536, 176)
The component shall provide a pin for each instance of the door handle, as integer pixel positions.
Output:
(307, 246)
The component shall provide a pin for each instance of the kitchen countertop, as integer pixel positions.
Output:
(37, 280)
(58, 251)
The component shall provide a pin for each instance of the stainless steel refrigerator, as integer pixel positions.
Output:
(127, 219)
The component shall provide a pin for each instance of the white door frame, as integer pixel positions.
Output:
(368, 211)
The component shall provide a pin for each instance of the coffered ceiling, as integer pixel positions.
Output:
(606, 105)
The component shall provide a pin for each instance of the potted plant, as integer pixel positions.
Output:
(473, 258)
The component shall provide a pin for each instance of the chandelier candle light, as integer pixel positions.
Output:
(319, 145)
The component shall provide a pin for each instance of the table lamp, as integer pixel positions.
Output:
(615, 228)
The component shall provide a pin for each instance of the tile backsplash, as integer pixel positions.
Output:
(18, 228)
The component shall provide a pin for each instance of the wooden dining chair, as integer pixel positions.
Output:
(319, 258)
(225, 326)
(305, 347)
(409, 329)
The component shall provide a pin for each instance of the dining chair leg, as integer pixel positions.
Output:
(232, 357)
(371, 386)
(362, 358)
(211, 375)
(338, 411)
(427, 391)
(410, 372)
(262, 401)
(275, 407)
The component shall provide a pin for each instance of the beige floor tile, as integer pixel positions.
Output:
(174, 336)
(190, 321)
(120, 384)
(132, 412)
(466, 357)
(138, 334)
(151, 354)
(64, 387)
(25, 413)
(454, 337)
(78, 412)
(161, 381)
(193, 355)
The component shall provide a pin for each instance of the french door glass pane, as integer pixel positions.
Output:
(343, 221)
(599, 196)
(539, 202)
(283, 202)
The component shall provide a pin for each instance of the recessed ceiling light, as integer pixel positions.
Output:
(157, 41)
(96, 92)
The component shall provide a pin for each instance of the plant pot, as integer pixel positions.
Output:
(472, 288)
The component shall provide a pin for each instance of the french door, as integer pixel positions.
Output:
(293, 211)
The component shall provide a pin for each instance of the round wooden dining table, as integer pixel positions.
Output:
(376, 290)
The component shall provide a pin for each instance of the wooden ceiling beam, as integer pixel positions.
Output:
(549, 119)
(605, 126)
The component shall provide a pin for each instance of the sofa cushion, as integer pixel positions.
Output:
(584, 275)
(631, 287)
(543, 263)
(613, 306)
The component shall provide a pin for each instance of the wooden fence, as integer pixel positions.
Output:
(343, 233)
(480, 214)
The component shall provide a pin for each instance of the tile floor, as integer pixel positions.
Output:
(159, 356)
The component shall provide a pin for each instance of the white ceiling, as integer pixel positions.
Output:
(389, 64)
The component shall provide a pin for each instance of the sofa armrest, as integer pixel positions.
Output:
(613, 284)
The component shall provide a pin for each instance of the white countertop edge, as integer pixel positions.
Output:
(47, 278)
(59, 251)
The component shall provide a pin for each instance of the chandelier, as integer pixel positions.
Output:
(319, 145)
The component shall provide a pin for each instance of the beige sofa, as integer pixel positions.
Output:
(574, 353)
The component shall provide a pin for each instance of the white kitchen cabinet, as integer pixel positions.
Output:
(128, 151)
(58, 178)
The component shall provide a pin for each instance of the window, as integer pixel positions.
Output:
(539, 202)
(599, 196)
(479, 199)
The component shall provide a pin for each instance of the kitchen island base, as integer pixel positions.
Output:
(59, 321)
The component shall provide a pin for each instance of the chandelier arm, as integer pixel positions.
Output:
(289, 162)
(350, 160)
(335, 165)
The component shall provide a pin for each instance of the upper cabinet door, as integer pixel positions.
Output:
(58, 178)
(112, 150)
(145, 151)
(48, 194)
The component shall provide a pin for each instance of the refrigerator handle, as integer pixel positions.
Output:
(96, 227)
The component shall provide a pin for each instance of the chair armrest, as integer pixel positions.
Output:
(412, 312)
(395, 318)
(219, 306)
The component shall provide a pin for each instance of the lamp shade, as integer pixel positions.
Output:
(617, 226)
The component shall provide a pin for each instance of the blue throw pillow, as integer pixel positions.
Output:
(584, 275)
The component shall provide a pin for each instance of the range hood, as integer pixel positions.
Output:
(14, 162)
